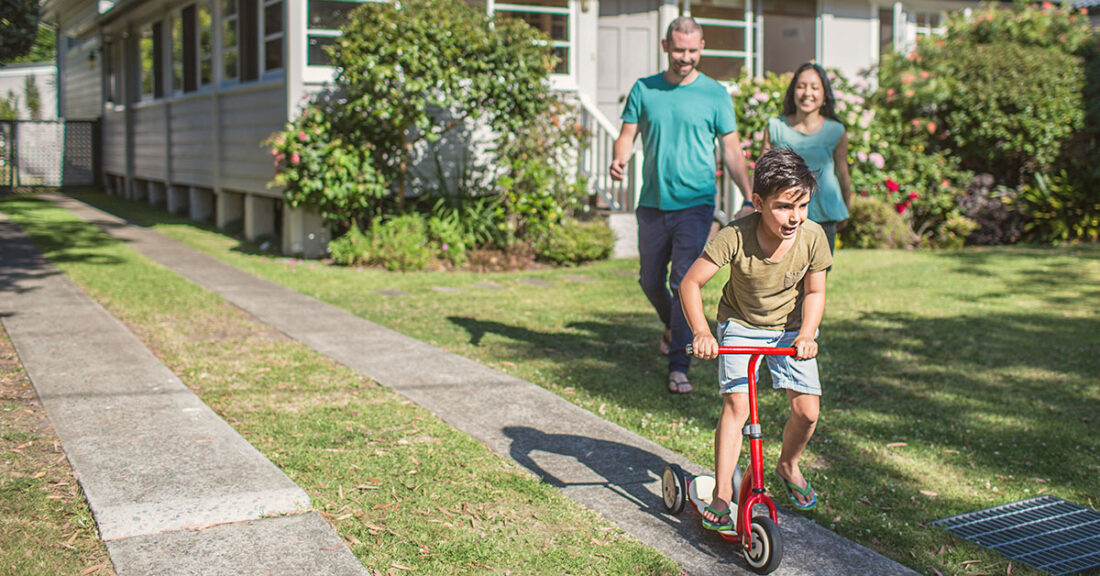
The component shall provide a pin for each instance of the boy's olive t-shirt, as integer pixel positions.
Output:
(763, 293)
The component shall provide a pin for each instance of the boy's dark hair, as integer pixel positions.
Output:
(780, 169)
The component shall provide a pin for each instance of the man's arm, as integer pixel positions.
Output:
(623, 150)
(735, 163)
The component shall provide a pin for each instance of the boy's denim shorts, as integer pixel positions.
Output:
(733, 369)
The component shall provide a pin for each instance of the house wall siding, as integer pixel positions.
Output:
(191, 138)
(248, 117)
(80, 62)
(150, 149)
(114, 142)
(849, 30)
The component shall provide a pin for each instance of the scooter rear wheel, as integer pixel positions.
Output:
(674, 488)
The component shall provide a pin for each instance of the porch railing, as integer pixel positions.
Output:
(617, 196)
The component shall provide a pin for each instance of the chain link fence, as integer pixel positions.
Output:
(49, 153)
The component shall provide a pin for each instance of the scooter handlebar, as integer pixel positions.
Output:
(761, 350)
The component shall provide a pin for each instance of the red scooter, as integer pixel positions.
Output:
(761, 542)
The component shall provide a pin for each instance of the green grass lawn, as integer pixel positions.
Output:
(953, 380)
(404, 490)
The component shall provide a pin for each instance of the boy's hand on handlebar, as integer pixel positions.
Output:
(805, 348)
(704, 346)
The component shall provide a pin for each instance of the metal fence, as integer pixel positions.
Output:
(49, 153)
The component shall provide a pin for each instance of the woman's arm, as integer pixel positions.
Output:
(840, 163)
(691, 299)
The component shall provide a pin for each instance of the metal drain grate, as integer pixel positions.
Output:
(1046, 533)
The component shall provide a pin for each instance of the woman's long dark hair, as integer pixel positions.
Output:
(828, 109)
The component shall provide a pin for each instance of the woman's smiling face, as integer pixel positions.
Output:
(809, 92)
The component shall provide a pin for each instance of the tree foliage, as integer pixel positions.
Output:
(414, 71)
(18, 28)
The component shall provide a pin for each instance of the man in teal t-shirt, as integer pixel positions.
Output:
(679, 114)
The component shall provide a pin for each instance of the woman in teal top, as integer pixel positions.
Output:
(810, 127)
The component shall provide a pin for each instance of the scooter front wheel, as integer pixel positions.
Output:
(767, 546)
(674, 488)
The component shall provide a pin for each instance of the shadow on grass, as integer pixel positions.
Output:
(1007, 395)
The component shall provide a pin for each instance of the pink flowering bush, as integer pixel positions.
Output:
(320, 167)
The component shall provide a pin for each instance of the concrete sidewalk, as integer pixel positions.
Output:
(598, 464)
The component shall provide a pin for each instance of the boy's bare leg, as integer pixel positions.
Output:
(796, 434)
(727, 449)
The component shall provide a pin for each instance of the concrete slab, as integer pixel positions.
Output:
(601, 465)
(151, 458)
(299, 544)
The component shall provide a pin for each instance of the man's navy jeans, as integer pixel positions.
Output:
(676, 238)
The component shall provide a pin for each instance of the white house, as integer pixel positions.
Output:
(188, 89)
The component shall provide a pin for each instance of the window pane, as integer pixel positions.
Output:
(723, 38)
(563, 59)
(317, 56)
(229, 34)
(329, 14)
(555, 3)
(273, 54)
(229, 8)
(885, 31)
(177, 54)
(230, 59)
(556, 26)
(273, 19)
(722, 68)
(146, 48)
(717, 10)
(207, 74)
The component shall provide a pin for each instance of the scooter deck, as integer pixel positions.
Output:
(700, 492)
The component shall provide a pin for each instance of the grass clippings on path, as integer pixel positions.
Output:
(45, 524)
(404, 490)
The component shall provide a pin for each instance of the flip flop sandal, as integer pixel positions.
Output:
(807, 491)
(678, 383)
(726, 526)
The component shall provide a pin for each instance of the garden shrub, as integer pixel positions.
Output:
(1061, 208)
(321, 166)
(416, 70)
(400, 243)
(875, 224)
(448, 239)
(351, 249)
(992, 209)
(576, 241)
(1001, 91)
(540, 185)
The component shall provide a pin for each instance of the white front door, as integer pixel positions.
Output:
(629, 48)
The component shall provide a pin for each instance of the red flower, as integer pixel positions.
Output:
(891, 185)
(900, 207)
(913, 196)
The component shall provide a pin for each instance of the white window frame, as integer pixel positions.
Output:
(567, 81)
(320, 74)
(265, 37)
(749, 54)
